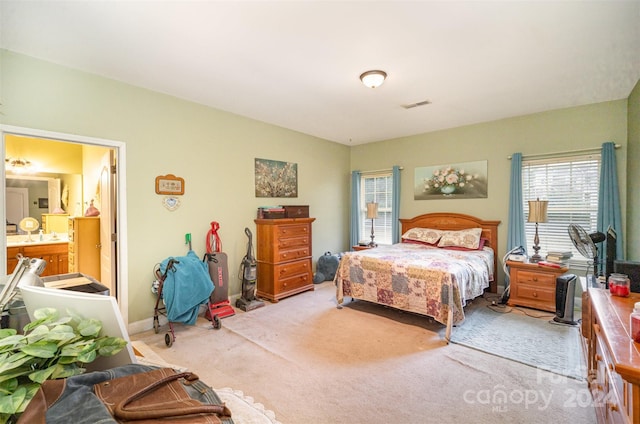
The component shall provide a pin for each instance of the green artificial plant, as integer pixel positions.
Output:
(51, 347)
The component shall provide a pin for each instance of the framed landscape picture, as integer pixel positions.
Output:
(275, 178)
(467, 180)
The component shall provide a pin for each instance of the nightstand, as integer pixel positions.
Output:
(357, 247)
(532, 285)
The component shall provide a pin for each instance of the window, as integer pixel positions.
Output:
(570, 184)
(377, 188)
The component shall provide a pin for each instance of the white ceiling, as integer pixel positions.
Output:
(296, 63)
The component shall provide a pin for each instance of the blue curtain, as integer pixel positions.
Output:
(355, 210)
(395, 207)
(515, 232)
(609, 199)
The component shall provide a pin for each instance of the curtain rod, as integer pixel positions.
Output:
(567, 152)
(379, 170)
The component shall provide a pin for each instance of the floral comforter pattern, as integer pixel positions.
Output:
(416, 278)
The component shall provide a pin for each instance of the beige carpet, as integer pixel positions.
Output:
(309, 362)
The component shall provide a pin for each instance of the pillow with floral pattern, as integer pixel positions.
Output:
(424, 235)
(469, 238)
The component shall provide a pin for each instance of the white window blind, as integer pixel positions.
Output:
(570, 184)
(376, 188)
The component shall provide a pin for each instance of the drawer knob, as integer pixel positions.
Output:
(535, 278)
(613, 406)
(535, 294)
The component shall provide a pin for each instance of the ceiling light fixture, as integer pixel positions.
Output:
(17, 164)
(373, 79)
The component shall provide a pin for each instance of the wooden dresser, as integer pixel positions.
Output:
(284, 257)
(532, 285)
(613, 358)
(55, 223)
(84, 246)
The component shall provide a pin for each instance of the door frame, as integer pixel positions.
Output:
(122, 267)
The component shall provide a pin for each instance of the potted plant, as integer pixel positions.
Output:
(51, 347)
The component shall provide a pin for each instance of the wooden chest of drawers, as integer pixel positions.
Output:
(533, 286)
(55, 223)
(84, 246)
(613, 357)
(284, 257)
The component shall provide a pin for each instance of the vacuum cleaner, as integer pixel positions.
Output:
(219, 272)
(249, 271)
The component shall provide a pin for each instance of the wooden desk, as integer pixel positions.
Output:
(613, 358)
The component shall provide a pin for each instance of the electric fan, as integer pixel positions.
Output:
(586, 243)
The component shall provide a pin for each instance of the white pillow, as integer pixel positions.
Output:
(469, 238)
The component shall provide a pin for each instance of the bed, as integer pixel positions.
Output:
(418, 276)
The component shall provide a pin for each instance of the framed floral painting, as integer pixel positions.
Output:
(466, 180)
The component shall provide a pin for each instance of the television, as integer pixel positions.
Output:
(610, 252)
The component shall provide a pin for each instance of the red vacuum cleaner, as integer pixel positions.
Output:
(219, 272)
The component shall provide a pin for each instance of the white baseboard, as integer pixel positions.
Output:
(147, 323)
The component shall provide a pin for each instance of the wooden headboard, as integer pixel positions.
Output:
(457, 221)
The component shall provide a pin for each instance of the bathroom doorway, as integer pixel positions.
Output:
(109, 188)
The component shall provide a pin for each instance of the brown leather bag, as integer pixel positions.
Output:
(158, 394)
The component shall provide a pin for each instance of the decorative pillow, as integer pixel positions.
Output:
(425, 235)
(480, 246)
(469, 238)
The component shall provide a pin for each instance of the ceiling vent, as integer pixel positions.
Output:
(412, 105)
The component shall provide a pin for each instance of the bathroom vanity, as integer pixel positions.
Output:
(55, 252)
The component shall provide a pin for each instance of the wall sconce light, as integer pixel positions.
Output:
(372, 213)
(537, 213)
(17, 165)
(373, 79)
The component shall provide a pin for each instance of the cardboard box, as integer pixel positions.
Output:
(75, 282)
(296, 211)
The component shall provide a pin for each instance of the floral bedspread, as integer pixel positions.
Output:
(416, 278)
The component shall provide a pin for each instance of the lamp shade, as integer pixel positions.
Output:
(538, 210)
(372, 210)
(373, 79)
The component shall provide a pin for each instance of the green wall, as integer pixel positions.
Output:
(633, 174)
(554, 131)
(213, 151)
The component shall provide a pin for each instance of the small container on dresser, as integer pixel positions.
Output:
(284, 257)
(634, 322)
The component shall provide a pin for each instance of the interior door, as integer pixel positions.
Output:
(107, 222)
(17, 204)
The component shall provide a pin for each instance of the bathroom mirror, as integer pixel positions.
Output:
(37, 194)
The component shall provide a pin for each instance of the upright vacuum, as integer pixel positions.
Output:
(249, 270)
(219, 272)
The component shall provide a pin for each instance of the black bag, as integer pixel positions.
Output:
(326, 267)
